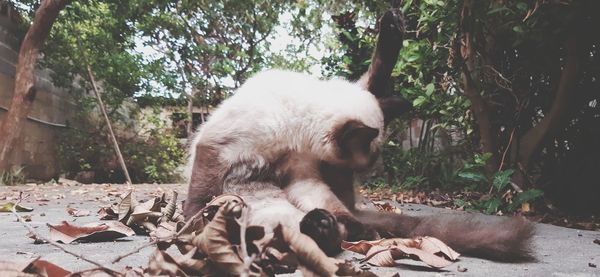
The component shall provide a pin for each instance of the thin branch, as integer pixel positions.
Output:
(103, 109)
(51, 242)
(187, 224)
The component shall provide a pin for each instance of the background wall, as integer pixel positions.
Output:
(51, 112)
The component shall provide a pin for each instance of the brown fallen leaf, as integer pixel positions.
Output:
(431, 259)
(105, 272)
(45, 268)
(77, 213)
(14, 269)
(95, 232)
(308, 252)
(162, 263)
(384, 206)
(145, 211)
(214, 242)
(107, 213)
(349, 269)
(125, 207)
(436, 246)
(33, 267)
(429, 250)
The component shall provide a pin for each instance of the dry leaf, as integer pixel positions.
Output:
(162, 263)
(14, 269)
(380, 256)
(94, 232)
(349, 269)
(214, 242)
(107, 213)
(126, 205)
(384, 252)
(430, 259)
(308, 252)
(169, 210)
(49, 269)
(77, 213)
(193, 266)
(360, 247)
(34, 267)
(384, 206)
(435, 246)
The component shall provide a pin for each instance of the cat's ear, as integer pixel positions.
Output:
(354, 141)
(393, 107)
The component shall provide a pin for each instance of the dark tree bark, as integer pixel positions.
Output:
(478, 107)
(531, 143)
(24, 93)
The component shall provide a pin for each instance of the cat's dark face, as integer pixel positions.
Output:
(357, 147)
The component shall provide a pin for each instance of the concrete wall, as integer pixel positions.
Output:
(36, 147)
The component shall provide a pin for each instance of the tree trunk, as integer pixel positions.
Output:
(24, 93)
(190, 109)
(478, 106)
(531, 143)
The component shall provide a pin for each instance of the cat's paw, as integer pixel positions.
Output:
(324, 229)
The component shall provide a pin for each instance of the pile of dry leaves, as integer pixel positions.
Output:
(217, 241)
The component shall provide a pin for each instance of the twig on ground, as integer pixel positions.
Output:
(53, 243)
(187, 224)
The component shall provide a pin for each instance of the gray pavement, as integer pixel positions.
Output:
(560, 251)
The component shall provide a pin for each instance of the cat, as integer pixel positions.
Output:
(289, 144)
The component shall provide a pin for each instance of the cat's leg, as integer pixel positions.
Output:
(268, 205)
(324, 212)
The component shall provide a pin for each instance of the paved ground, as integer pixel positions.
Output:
(561, 251)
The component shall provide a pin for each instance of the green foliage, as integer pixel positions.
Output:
(502, 179)
(12, 177)
(154, 158)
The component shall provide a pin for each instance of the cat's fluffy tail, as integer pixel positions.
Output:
(492, 237)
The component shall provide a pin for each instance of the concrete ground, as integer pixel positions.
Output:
(560, 251)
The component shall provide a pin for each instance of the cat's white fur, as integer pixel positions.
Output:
(280, 110)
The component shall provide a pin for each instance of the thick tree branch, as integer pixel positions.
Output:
(532, 141)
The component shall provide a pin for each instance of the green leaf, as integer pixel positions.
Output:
(492, 205)
(472, 176)
(419, 101)
(482, 158)
(525, 196)
(518, 29)
(497, 10)
(429, 89)
(7, 208)
(522, 6)
(502, 178)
